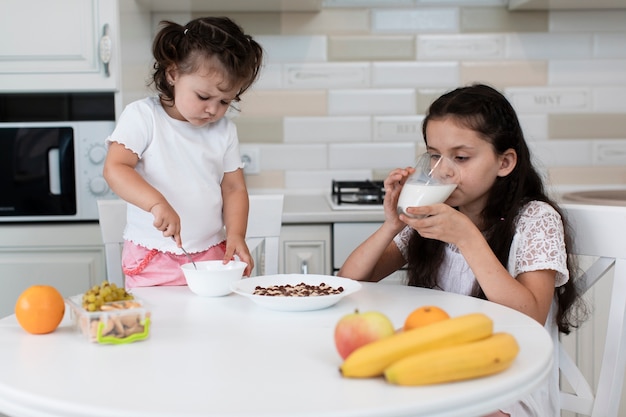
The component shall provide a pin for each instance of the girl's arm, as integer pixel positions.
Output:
(375, 258)
(236, 206)
(378, 256)
(119, 172)
(531, 293)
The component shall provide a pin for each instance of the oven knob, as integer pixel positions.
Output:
(97, 154)
(98, 186)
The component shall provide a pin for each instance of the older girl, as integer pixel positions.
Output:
(498, 236)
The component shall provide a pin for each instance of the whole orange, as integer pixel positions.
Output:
(40, 309)
(423, 316)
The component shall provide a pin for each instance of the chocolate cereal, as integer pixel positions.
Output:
(298, 290)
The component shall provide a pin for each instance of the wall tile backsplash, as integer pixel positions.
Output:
(343, 91)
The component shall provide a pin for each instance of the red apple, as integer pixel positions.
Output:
(357, 329)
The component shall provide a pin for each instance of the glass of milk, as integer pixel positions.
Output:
(434, 179)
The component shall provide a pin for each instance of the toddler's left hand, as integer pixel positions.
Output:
(236, 245)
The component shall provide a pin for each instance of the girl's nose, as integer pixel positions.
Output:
(210, 109)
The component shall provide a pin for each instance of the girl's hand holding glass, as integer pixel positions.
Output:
(434, 179)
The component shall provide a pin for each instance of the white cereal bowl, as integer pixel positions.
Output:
(213, 278)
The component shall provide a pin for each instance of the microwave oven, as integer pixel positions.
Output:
(51, 170)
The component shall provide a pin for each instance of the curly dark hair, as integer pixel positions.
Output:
(187, 47)
(487, 112)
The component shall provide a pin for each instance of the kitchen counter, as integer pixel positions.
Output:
(315, 208)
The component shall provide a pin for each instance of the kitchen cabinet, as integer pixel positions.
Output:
(60, 45)
(305, 249)
(69, 257)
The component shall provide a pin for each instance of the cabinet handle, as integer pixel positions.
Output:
(106, 44)
(304, 267)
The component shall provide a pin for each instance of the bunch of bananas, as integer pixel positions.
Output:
(454, 349)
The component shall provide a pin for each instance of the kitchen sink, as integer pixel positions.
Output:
(616, 197)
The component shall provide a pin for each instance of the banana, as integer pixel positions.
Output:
(455, 363)
(371, 359)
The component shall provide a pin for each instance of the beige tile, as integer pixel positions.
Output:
(284, 103)
(587, 126)
(266, 179)
(371, 48)
(587, 175)
(498, 19)
(333, 21)
(260, 23)
(505, 73)
(425, 97)
(259, 129)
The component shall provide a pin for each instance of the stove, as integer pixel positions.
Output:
(357, 195)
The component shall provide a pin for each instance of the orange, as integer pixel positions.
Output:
(39, 309)
(423, 316)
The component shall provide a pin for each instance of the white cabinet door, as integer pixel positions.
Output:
(305, 249)
(68, 257)
(55, 45)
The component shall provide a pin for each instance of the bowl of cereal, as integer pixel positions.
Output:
(296, 292)
(213, 278)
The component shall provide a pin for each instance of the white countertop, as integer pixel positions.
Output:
(316, 209)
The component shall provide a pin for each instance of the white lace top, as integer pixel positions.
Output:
(538, 244)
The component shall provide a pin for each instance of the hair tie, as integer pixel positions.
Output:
(185, 31)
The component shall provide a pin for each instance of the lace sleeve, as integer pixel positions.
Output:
(539, 242)
(402, 241)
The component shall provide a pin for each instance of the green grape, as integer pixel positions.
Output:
(106, 292)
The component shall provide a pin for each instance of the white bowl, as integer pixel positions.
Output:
(213, 278)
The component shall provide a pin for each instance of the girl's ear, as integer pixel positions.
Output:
(172, 74)
(508, 160)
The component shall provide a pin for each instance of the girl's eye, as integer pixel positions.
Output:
(461, 158)
(225, 103)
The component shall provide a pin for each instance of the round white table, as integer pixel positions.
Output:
(229, 357)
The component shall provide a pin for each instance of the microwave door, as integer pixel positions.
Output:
(39, 177)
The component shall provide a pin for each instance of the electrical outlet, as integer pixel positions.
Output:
(251, 157)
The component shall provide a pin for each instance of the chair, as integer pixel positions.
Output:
(112, 218)
(599, 233)
(264, 224)
(262, 236)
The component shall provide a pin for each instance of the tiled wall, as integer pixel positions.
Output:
(343, 90)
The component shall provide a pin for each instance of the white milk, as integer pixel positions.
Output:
(414, 195)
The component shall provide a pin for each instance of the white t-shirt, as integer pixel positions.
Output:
(186, 164)
(538, 243)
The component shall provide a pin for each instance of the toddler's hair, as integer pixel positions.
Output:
(202, 39)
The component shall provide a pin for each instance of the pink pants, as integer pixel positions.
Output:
(145, 267)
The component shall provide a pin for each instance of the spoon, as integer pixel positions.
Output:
(187, 255)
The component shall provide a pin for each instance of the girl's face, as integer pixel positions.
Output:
(478, 163)
(200, 97)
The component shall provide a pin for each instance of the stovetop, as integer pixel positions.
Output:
(357, 195)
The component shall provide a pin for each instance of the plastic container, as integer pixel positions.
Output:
(121, 322)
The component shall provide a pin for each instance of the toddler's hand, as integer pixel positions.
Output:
(236, 245)
(166, 220)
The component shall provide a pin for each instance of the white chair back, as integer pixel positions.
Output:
(599, 233)
(262, 236)
(112, 218)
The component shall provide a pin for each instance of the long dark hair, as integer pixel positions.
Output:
(486, 111)
(201, 39)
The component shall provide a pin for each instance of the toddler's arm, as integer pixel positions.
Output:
(236, 206)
